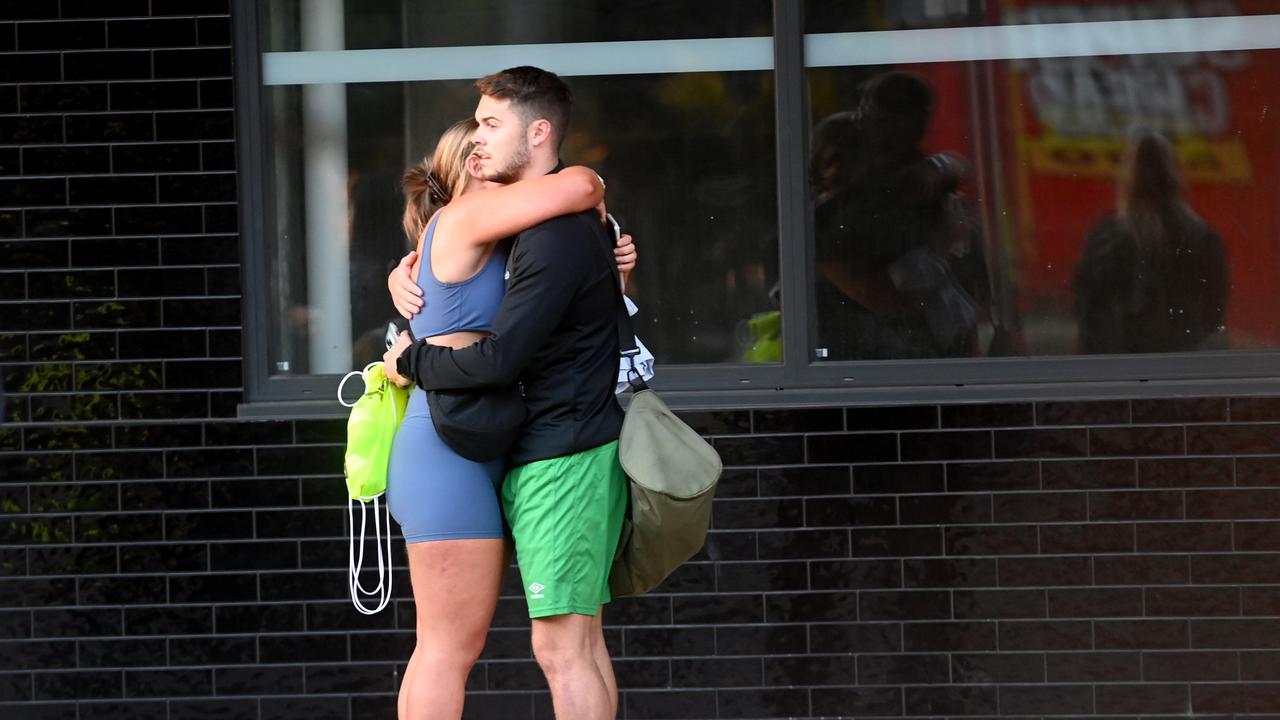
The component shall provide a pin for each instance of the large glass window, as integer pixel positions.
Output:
(673, 106)
(1043, 178)
(925, 200)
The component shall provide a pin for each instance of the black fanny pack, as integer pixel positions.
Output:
(479, 425)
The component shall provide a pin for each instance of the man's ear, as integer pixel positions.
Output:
(539, 132)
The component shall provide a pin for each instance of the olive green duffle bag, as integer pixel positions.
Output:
(673, 474)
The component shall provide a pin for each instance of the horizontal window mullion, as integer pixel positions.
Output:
(1010, 42)
(565, 59)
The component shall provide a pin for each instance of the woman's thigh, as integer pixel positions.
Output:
(455, 590)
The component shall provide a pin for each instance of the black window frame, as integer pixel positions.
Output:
(798, 381)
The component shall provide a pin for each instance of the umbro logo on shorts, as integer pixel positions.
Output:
(536, 589)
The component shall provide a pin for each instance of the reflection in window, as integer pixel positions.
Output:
(1098, 203)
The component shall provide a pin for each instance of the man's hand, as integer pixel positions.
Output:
(405, 293)
(389, 360)
(625, 255)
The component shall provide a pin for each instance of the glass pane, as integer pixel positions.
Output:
(688, 157)
(987, 185)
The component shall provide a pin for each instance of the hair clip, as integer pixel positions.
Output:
(437, 193)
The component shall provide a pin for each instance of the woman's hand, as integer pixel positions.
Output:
(625, 255)
(389, 360)
(405, 293)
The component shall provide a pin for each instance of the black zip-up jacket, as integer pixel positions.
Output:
(555, 332)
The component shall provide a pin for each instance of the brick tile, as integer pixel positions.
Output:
(851, 448)
(1191, 666)
(1085, 539)
(1185, 473)
(991, 540)
(903, 669)
(78, 97)
(1088, 474)
(1027, 700)
(1259, 409)
(1142, 570)
(898, 479)
(1094, 412)
(1225, 569)
(1184, 537)
(951, 700)
(990, 668)
(784, 482)
(846, 511)
(56, 35)
(1235, 504)
(948, 572)
(1144, 698)
(1075, 667)
(1041, 443)
(954, 445)
(1141, 634)
(894, 417)
(999, 604)
(1099, 602)
(35, 129)
(1040, 507)
(976, 636)
(1044, 571)
(791, 421)
(1141, 505)
(107, 65)
(987, 415)
(944, 509)
(1233, 439)
(151, 33)
(1136, 441)
(977, 477)
(1180, 410)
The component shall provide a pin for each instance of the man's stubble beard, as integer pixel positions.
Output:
(515, 166)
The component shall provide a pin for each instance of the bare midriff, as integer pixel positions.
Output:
(457, 340)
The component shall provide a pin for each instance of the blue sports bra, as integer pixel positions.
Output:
(454, 307)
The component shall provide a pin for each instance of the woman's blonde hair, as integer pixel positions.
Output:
(432, 183)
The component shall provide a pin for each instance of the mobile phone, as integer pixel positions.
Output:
(617, 229)
(393, 334)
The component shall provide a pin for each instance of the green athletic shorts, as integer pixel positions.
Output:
(566, 517)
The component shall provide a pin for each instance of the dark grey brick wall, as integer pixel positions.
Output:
(161, 559)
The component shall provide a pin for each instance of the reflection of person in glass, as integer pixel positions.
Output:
(447, 506)
(1153, 277)
(898, 260)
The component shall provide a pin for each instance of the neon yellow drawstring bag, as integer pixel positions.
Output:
(371, 430)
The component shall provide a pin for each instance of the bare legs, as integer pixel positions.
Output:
(603, 664)
(570, 650)
(455, 591)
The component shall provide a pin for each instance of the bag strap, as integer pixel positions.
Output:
(626, 334)
(355, 557)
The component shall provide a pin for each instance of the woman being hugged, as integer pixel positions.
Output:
(448, 506)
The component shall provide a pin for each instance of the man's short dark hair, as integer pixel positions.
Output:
(900, 103)
(534, 93)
